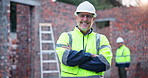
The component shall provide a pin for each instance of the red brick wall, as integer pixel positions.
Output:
(23, 34)
(131, 24)
(4, 64)
(60, 15)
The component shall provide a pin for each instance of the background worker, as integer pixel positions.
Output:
(83, 53)
(122, 58)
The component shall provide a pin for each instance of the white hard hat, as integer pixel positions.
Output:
(119, 40)
(86, 7)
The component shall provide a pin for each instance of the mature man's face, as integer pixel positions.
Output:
(120, 44)
(84, 21)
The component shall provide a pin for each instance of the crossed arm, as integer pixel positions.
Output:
(84, 60)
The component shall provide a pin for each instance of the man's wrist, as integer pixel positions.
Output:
(94, 55)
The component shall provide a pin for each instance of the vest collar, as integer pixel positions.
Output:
(77, 30)
(122, 46)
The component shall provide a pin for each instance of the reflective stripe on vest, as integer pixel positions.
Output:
(64, 59)
(97, 76)
(98, 48)
(60, 45)
(97, 42)
(70, 38)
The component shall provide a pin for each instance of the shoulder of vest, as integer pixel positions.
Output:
(69, 32)
(101, 35)
(126, 47)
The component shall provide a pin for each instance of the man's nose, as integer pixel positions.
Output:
(85, 17)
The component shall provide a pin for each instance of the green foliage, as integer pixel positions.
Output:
(99, 4)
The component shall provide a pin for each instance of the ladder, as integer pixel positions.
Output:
(48, 58)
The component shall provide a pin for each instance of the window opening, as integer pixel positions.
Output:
(102, 24)
(13, 21)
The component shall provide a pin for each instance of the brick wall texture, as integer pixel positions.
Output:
(23, 34)
(4, 64)
(129, 22)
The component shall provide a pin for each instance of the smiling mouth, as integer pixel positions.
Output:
(84, 22)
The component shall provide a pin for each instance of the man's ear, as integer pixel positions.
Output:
(75, 17)
(94, 19)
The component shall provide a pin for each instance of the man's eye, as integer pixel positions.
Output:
(87, 16)
(82, 15)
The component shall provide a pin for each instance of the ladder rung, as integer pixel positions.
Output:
(46, 32)
(49, 61)
(48, 51)
(45, 24)
(47, 41)
(52, 71)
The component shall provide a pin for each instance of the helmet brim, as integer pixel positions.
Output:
(94, 14)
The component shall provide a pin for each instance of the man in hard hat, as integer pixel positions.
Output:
(122, 58)
(83, 53)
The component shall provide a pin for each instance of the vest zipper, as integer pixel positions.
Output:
(84, 46)
(83, 43)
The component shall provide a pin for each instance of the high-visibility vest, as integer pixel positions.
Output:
(123, 56)
(92, 43)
